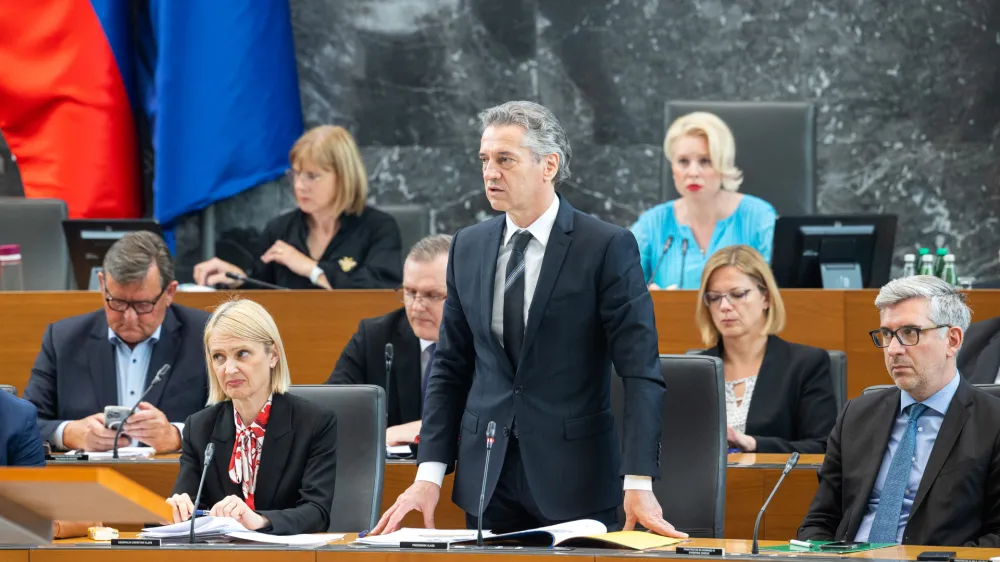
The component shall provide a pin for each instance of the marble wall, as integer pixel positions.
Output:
(908, 98)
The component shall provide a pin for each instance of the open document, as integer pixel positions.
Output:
(227, 528)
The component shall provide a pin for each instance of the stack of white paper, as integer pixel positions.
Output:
(216, 527)
(407, 534)
(123, 453)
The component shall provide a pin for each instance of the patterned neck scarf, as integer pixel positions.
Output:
(245, 460)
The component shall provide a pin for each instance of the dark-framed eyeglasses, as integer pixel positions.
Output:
(140, 307)
(409, 296)
(905, 335)
(736, 296)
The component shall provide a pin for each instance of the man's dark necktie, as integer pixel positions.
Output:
(513, 298)
(427, 372)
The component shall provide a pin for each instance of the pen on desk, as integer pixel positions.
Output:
(363, 534)
(202, 513)
(802, 544)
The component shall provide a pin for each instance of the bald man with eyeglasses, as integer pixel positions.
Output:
(109, 357)
(413, 332)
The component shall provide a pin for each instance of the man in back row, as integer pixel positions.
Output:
(413, 333)
(937, 479)
(109, 357)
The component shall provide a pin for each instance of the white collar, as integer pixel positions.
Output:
(540, 229)
(424, 344)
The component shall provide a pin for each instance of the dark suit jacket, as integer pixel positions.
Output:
(20, 442)
(363, 362)
(298, 463)
(958, 501)
(75, 375)
(590, 308)
(369, 245)
(979, 358)
(792, 407)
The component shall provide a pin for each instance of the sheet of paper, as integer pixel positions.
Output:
(202, 526)
(578, 528)
(123, 453)
(398, 450)
(407, 534)
(318, 539)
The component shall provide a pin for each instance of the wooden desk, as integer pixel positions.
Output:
(316, 325)
(749, 479)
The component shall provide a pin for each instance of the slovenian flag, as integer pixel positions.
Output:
(215, 81)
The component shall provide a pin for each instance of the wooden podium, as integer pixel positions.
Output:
(32, 498)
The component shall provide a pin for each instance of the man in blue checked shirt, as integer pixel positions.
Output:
(937, 480)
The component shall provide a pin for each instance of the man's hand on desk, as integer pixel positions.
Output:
(402, 434)
(641, 506)
(152, 427)
(422, 496)
(89, 434)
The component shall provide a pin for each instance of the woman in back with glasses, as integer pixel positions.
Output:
(779, 395)
(333, 240)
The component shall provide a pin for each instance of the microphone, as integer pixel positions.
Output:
(209, 453)
(491, 431)
(118, 433)
(684, 255)
(792, 461)
(254, 282)
(663, 253)
(388, 376)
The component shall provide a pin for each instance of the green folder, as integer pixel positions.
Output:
(815, 547)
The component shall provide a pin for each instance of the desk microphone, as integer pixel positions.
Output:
(388, 376)
(663, 253)
(491, 431)
(160, 375)
(792, 461)
(254, 282)
(209, 453)
(684, 255)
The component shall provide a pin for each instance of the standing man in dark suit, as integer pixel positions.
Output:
(20, 443)
(541, 301)
(109, 357)
(413, 333)
(979, 359)
(937, 481)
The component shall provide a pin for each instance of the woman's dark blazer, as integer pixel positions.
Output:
(793, 407)
(298, 463)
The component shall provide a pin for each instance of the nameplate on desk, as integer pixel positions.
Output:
(430, 544)
(135, 542)
(701, 551)
(68, 458)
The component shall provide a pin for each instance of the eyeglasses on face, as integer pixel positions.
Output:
(305, 176)
(140, 307)
(410, 297)
(905, 335)
(736, 296)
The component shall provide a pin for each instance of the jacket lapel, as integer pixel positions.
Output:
(951, 428)
(555, 254)
(164, 352)
(487, 277)
(224, 437)
(406, 386)
(988, 363)
(103, 368)
(883, 419)
(769, 381)
(274, 454)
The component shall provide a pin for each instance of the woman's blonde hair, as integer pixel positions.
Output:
(721, 145)
(753, 265)
(333, 149)
(246, 320)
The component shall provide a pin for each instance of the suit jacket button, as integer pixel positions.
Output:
(506, 431)
(518, 389)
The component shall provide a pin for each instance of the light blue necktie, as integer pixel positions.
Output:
(890, 501)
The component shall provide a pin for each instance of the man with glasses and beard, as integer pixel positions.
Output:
(110, 356)
(934, 477)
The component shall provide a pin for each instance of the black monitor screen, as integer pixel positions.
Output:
(89, 239)
(833, 251)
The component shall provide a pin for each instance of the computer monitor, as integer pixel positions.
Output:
(89, 239)
(833, 251)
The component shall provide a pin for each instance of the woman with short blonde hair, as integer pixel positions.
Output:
(779, 395)
(676, 237)
(275, 453)
(333, 240)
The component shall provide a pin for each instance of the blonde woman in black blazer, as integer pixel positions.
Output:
(779, 394)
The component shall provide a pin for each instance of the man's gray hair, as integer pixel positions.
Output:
(429, 248)
(544, 134)
(947, 304)
(128, 259)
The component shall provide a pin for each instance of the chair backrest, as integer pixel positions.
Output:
(360, 410)
(775, 148)
(9, 389)
(877, 388)
(838, 374)
(36, 224)
(414, 223)
(691, 488)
